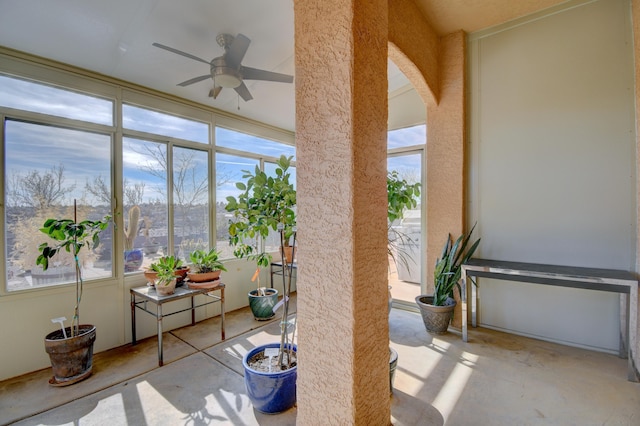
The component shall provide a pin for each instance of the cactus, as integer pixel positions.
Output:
(131, 228)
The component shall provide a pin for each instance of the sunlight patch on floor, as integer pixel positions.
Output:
(450, 392)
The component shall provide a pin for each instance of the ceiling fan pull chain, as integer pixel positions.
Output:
(238, 102)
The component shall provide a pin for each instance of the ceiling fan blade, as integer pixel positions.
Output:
(249, 73)
(194, 80)
(244, 92)
(213, 93)
(237, 50)
(180, 52)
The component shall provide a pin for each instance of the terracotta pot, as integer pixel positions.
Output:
(288, 254)
(151, 276)
(72, 357)
(203, 277)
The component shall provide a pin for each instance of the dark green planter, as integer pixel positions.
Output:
(262, 306)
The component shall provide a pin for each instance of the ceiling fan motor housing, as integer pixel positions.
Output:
(224, 75)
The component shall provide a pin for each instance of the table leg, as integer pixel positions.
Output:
(474, 304)
(463, 297)
(222, 312)
(271, 270)
(632, 321)
(159, 316)
(133, 318)
(193, 312)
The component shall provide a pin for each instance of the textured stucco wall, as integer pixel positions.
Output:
(341, 116)
(413, 47)
(445, 153)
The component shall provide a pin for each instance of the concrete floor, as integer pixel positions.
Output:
(494, 379)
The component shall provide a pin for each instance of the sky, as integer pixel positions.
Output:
(88, 154)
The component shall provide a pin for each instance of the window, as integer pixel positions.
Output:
(406, 234)
(229, 170)
(190, 201)
(164, 124)
(36, 97)
(163, 162)
(408, 136)
(145, 207)
(252, 144)
(46, 168)
(166, 186)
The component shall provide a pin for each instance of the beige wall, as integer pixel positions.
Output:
(553, 165)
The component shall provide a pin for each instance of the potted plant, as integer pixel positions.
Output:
(401, 196)
(267, 204)
(264, 203)
(71, 349)
(205, 265)
(271, 370)
(152, 274)
(437, 309)
(132, 256)
(167, 271)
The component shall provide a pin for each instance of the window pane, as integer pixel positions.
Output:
(254, 144)
(409, 136)
(405, 236)
(35, 97)
(190, 201)
(149, 121)
(145, 228)
(47, 168)
(228, 171)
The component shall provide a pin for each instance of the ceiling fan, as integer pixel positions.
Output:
(227, 70)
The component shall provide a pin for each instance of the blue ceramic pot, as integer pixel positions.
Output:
(273, 392)
(133, 260)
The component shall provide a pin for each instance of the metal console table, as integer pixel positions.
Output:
(611, 280)
(141, 295)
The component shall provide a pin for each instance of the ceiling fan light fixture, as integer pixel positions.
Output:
(227, 79)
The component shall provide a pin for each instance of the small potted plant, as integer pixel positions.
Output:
(205, 265)
(167, 270)
(437, 310)
(163, 263)
(71, 349)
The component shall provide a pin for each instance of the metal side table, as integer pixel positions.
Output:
(140, 296)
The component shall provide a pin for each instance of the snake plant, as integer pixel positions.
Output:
(447, 272)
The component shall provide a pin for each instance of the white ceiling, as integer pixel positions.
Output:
(114, 38)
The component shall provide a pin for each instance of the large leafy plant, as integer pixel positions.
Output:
(264, 203)
(401, 196)
(447, 272)
(71, 236)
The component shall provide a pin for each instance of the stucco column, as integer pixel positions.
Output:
(446, 155)
(341, 126)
